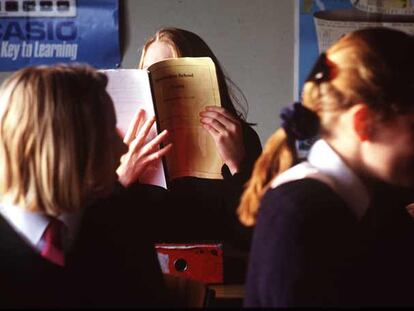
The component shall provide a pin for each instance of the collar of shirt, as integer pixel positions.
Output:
(327, 166)
(31, 225)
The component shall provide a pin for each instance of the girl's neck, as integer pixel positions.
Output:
(351, 156)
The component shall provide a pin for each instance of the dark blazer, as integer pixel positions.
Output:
(198, 209)
(309, 250)
(111, 264)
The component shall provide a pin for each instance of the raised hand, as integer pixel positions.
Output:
(141, 153)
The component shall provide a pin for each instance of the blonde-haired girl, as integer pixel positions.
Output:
(65, 239)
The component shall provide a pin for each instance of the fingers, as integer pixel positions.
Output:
(137, 150)
(223, 111)
(139, 140)
(134, 125)
(155, 156)
(211, 123)
(159, 154)
(146, 127)
(219, 120)
(212, 131)
(225, 129)
(154, 143)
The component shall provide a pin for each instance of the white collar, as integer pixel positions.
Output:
(327, 166)
(31, 225)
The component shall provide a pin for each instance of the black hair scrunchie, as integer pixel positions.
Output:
(299, 122)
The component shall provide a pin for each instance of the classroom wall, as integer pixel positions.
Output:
(254, 41)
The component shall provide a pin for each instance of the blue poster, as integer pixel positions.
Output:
(322, 22)
(48, 32)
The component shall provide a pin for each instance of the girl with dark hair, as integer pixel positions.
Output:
(205, 209)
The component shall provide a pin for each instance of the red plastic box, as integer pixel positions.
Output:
(201, 262)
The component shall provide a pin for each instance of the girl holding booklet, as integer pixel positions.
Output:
(334, 230)
(202, 209)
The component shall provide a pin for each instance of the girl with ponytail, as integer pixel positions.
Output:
(326, 227)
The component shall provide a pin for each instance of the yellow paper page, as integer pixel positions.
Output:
(182, 88)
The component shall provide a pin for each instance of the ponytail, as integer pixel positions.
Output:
(278, 155)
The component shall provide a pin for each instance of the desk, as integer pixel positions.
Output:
(228, 291)
(226, 295)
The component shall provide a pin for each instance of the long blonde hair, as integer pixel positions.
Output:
(55, 126)
(372, 66)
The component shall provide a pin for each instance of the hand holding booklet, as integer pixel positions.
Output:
(175, 91)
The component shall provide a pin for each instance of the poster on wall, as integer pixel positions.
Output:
(322, 22)
(34, 32)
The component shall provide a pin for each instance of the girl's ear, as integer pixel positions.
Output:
(362, 119)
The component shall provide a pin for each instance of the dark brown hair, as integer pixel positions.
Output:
(187, 44)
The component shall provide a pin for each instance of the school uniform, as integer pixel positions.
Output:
(200, 209)
(321, 240)
(208, 206)
(109, 261)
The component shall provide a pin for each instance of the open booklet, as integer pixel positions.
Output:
(175, 90)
